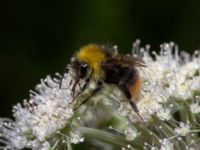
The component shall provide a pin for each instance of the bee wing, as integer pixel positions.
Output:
(125, 60)
(133, 60)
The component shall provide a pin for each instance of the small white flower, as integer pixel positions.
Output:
(131, 134)
(166, 145)
(164, 114)
(76, 137)
(183, 129)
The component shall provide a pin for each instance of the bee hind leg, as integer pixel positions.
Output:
(125, 90)
(135, 108)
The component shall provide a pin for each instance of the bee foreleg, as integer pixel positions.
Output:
(84, 87)
(94, 92)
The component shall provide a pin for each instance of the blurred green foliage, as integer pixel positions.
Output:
(39, 37)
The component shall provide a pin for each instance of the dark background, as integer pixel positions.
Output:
(38, 37)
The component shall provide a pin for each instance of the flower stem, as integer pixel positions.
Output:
(106, 137)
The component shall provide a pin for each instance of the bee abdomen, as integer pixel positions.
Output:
(135, 88)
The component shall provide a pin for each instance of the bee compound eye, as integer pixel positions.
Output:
(83, 70)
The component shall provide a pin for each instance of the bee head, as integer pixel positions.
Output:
(93, 56)
(81, 69)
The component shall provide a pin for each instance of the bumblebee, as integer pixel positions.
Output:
(105, 65)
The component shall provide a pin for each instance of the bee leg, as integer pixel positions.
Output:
(135, 108)
(84, 87)
(125, 90)
(94, 92)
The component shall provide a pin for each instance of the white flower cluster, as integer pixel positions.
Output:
(38, 121)
(169, 106)
(170, 99)
(168, 75)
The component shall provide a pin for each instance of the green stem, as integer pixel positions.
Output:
(69, 146)
(194, 131)
(55, 145)
(106, 137)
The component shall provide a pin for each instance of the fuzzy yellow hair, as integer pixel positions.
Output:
(93, 55)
